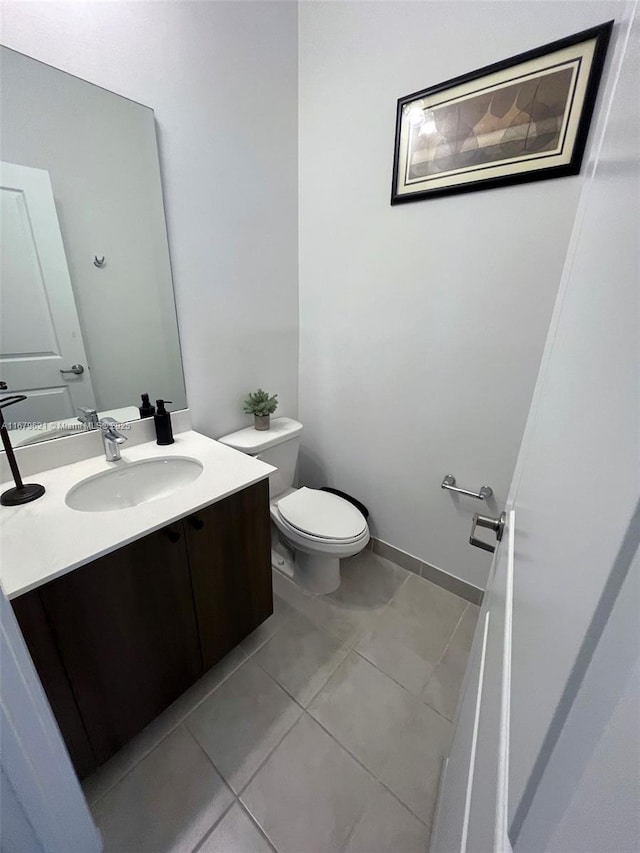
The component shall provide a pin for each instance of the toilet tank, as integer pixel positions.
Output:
(277, 446)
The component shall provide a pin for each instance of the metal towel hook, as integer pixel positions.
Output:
(98, 262)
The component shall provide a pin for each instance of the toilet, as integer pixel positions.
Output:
(316, 528)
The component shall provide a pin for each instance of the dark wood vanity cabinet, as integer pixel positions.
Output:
(231, 597)
(116, 641)
(44, 652)
(126, 630)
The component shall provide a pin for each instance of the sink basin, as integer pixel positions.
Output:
(133, 483)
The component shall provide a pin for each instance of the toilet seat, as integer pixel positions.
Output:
(321, 516)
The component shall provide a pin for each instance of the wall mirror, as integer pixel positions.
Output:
(87, 313)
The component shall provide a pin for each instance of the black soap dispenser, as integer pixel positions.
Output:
(162, 420)
(146, 409)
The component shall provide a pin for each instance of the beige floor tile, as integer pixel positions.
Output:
(437, 610)
(236, 833)
(413, 767)
(281, 613)
(388, 827)
(364, 710)
(403, 648)
(443, 688)
(368, 583)
(301, 657)
(167, 803)
(242, 721)
(310, 792)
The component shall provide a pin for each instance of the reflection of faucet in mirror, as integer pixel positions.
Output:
(111, 439)
(89, 417)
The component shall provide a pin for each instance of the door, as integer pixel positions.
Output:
(41, 803)
(572, 524)
(40, 336)
(472, 807)
(126, 630)
(229, 546)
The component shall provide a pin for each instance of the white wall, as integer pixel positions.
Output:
(222, 80)
(421, 326)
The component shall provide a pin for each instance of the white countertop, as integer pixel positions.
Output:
(44, 539)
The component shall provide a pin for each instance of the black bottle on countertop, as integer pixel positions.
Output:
(146, 409)
(162, 419)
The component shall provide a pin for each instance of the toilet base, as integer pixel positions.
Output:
(282, 562)
(319, 574)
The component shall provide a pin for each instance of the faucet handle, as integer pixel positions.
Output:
(88, 416)
(108, 427)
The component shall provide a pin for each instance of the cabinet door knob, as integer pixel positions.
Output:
(196, 523)
(172, 535)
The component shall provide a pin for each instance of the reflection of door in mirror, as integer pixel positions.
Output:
(40, 337)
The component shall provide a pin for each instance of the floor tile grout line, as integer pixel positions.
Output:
(210, 760)
(281, 686)
(319, 690)
(369, 773)
(271, 842)
(446, 648)
(408, 808)
(214, 826)
(373, 775)
(257, 825)
(312, 622)
(243, 808)
(414, 695)
(236, 796)
(271, 751)
(133, 766)
(268, 639)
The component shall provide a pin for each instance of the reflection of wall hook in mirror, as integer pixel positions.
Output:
(98, 262)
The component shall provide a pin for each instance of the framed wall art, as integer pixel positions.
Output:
(523, 119)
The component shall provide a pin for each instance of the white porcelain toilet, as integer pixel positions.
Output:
(317, 528)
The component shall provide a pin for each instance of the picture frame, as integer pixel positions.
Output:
(525, 118)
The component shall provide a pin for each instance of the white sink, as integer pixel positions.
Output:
(133, 483)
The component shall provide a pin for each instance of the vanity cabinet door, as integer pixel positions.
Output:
(229, 545)
(126, 630)
(46, 659)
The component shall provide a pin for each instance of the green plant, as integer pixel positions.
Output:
(260, 403)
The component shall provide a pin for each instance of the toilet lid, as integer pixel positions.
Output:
(322, 514)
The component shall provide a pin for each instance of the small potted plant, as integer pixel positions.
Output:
(261, 405)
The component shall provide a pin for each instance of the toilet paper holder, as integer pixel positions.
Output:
(449, 482)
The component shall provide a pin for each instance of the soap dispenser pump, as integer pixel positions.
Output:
(146, 409)
(162, 420)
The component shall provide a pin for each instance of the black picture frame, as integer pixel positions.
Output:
(533, 140)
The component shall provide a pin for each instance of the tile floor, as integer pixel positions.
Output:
(323, 732)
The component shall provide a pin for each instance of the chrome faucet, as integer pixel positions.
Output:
(111, 438)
